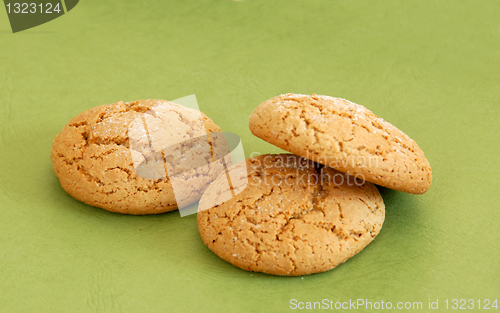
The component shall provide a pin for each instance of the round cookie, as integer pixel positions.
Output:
(93, 156)
(345, 136)
(295, 217)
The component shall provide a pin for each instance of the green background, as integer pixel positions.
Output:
(430, 68)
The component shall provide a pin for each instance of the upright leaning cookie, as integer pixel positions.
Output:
(98, 154)
(345, 136)
(294, 217)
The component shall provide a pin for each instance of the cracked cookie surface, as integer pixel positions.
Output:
(295, 217)
(345, 136)
(92, 157)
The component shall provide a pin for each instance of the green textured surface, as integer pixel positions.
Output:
(430, 68)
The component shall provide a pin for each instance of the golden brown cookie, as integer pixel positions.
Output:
(345, 136)
(295, 217)
(95, 159)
